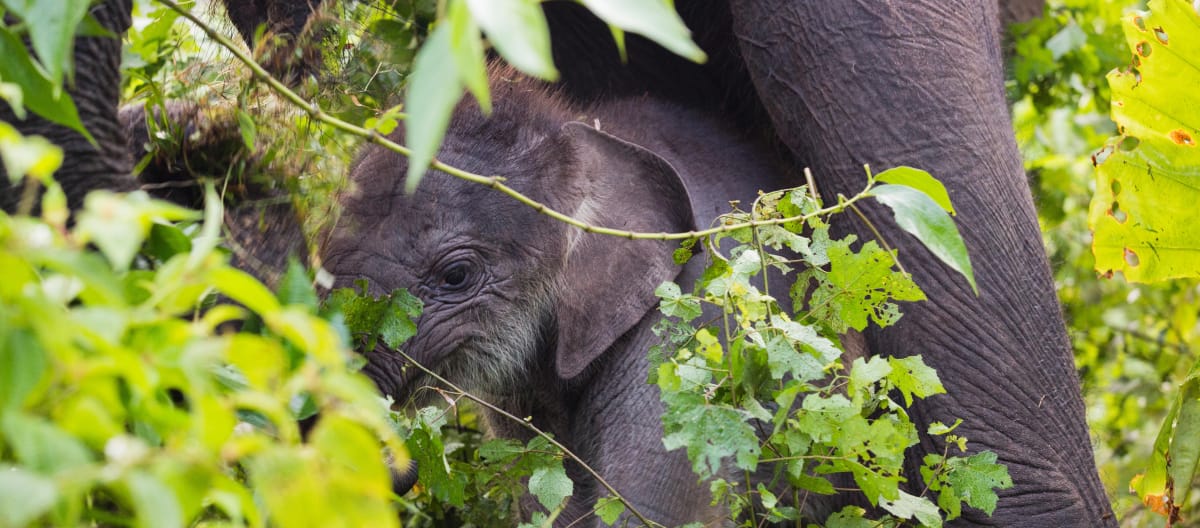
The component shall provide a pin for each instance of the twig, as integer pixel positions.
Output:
(495, 182)
(878, 236)
(533, 429)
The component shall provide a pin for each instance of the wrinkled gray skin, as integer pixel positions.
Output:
(920, 83)
(545, 320)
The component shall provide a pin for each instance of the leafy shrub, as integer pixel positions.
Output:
(127, 400)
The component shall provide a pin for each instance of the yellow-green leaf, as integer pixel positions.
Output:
(1148, 179)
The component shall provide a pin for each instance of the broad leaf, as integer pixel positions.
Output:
(1143, 214)
(518, 30)
(921, 216)
(551, 485)
(434, 88)
(468, 53)
(653, 19)
(51, 25)
(24, 496)
(41, 95)
(608, 509)
(919, 180)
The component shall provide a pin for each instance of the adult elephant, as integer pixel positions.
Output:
(843, 83)
(921, 83)
(915, 83)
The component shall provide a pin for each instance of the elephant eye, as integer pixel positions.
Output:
(455, 276)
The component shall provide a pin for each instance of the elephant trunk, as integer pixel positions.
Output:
(917, 83)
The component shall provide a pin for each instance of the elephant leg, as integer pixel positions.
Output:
(920, 83)
(86, 167)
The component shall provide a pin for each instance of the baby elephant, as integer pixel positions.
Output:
(541, 318)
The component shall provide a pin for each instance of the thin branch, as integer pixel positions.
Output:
(533, 429)
(495, 182)
(878, 236)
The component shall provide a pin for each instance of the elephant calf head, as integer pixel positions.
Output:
(507, 289)
(548, 320)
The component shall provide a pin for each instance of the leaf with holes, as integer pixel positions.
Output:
(1144, 208)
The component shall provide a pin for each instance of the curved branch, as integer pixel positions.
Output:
(495, 182)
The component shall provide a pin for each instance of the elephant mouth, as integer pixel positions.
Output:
(474, 365)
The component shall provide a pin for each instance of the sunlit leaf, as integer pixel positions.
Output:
(518, 30)
(653, 19)
(925, 219)
(1143, 212)
(433, 90)
(24, 496)
(39, 94)
(468, 53)
(919, 180)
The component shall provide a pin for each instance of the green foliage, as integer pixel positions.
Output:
(122, 402)
(453, 58)
(1141, 202)
(1131, 340)
(1145, 200)
(768, 388)
(469, 481)
(50, 28)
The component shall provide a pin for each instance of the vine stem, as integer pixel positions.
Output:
(536, 431)
(494, 182)
(878, 236)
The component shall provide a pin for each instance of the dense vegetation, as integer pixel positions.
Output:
(133, 393)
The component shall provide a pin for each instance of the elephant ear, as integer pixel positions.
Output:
(609, 282)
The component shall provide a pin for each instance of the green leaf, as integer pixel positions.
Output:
(156, 506)
(1068, 39)
(41, 445)
(246, 290)
(551, 485)
(859, 287)
(912, 377)
(675, 304)
(864, 374)
(1184, 453)
(296, 288)
(784, 359)
(33, 156)
(248, 129)
(919, 180)
(975, 479)
(397, 325)
(22, 363)
(24, 496)
(51, 27)
(166, 241)
(921, 216)
(850, 517)
(467, 49)
(653, 19)
(1143, 213)
(518, 30)
(710, 433)
(434, 88)
(912, 507)
(608, 509)
(118, 224)
(44, 97)
(428, 449)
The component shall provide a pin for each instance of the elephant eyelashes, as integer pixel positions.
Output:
(455, 277)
